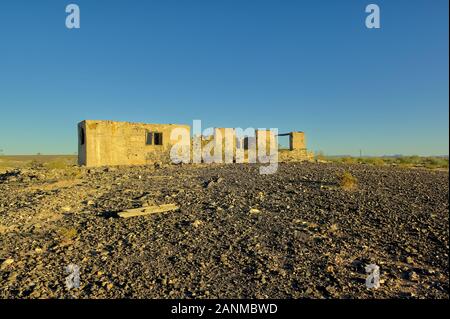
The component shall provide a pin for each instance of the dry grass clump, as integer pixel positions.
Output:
(348, 181)
(67, 234)
(349, 160)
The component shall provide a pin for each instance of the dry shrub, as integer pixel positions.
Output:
(67, 234)
(348, 181)
(377, 161)
(349, 160)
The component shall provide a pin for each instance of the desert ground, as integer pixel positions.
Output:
(303, 232)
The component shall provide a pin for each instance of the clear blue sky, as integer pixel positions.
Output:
(296, 65)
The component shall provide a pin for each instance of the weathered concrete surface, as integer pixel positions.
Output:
(297, 149)
(102, 143)
(225, 139)
(295, 155)
(297, 141)
(265, 139)
(122, 143)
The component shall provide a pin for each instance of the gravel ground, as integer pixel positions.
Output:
(238, 234)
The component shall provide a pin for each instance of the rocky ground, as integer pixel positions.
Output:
(238, 234)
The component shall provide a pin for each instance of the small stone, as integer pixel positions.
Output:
(197, 223)
(254, 211)
(409, 260)
(430, 271)
(224, 259)
(7, 262)
(413, 276)
(173, 281)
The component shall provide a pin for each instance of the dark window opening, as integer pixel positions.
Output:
(82, 137)
(158, 139)
(149, 138)
(249, 142)
(154, 138)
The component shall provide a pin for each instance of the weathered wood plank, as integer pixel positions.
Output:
(147, 210)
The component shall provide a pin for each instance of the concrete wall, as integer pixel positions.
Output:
(297, 149)
(265, 138)
(297, 141)
(122, 143)
(225, 139)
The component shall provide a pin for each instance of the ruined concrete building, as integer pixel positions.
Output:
(123, 143)
(102, 143)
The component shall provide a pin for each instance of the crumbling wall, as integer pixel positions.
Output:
(297, 141)
(225, 139)
(295, 155)
(297, 149)
(124, 143)
(265, 139)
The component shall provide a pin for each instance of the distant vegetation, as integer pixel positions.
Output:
(36, 161)
(401, 161)
(66, 161)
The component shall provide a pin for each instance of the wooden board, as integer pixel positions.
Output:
(147, 210)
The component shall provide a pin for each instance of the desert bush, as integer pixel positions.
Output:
(349, 160)
(348, 181)
(428, 162)
(378, 161)
(67, 234)
(409, 160)
(435, 162)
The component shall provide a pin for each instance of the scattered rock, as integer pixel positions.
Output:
(197, 223)
(273, 236)
(413, 276)
(6, 263)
